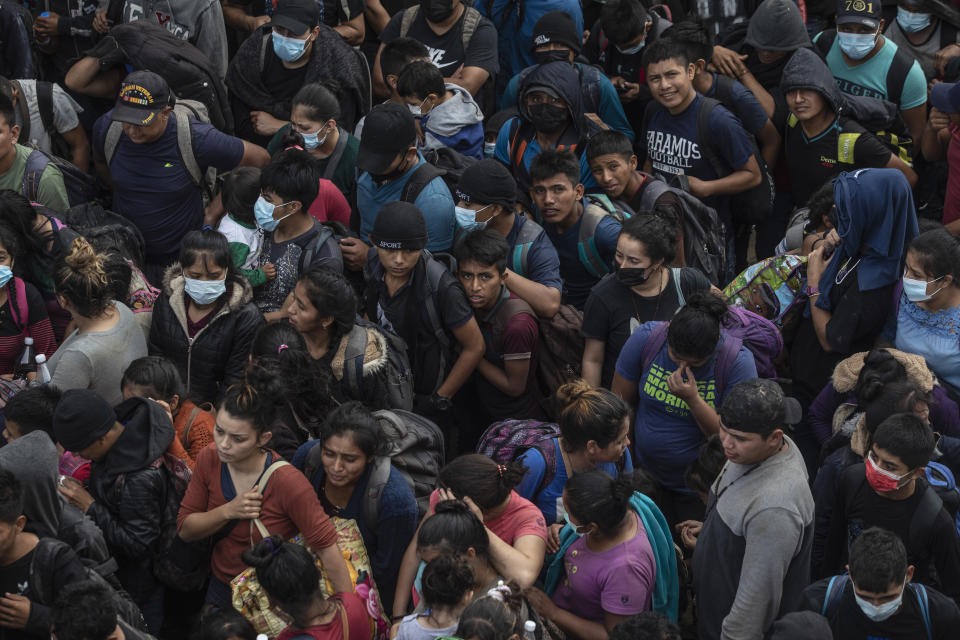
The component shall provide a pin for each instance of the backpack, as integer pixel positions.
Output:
(442, 162)
(729, 349)
(416, 450)
(943, 486)
(704, 238)
(309, 248)
(559, 353)
(184, 111)
(747, 207)
(42, 591)
(80, 186)
(506, 441)
(398, 374)
(875, 116)
(796, 231)
(471, 18)
(517, 260)
(838, 584)
(105, 231)
(595, 208)
(770, 288)
(518, 146)
(58, 144)
(760, 336)
(186, 69)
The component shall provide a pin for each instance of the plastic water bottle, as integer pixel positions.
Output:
(26, 363)
(530, 630)
(43, 373)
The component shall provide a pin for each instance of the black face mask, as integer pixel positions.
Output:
(437, 10)
(383, 178)
(548, 118)
(554, 55)
(632, 277)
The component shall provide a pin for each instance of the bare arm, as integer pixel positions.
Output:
(544, 300)
(511, 380)
(746, 177)
(237, 18)
(520, 562)
(407, 573)
(820, 317)
(470, 78)
(380, 88)
(471, 342)
(377, 16)
(625, 389)
(79, 147)
(336, 568)
(572, 624)
(916, 120)
(204, 524)
(352, 31)
(908, 172)
(762, 95)
(254, 156)
(592, 363)
(936, 136)
(87, 78)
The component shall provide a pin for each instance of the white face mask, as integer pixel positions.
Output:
(880, 612)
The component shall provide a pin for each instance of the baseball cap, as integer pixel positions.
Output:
(143, 95)
(399, 225)
(945, 97)
(862, 12)
(296, 16)
(388, 130)
(757, 406)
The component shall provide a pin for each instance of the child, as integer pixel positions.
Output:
(449, 117)
(447, 588)
(241, 188)
(157, 378)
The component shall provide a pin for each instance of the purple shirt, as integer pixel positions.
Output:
(619, 580)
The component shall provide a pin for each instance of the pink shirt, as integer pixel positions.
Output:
(330, 204)
(521, 518)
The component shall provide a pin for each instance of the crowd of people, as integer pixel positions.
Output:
(493, 320)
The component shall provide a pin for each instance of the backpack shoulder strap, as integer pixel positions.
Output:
(379, 476)
(420, 178)
(675, 274)
(653, 344)
(334, 160)
(313, 461)
(409, 15)
(831, 599)
(190, 420)
(185, 146)
(111, 140)
(263, 47)
(37, 163)
(897, 75)
(825, 41)
(587, 249)
(45, 105)
(526, 236)
(923, 519)
(433, 274)
(652, 190)
(20, 309)
(471, 19)
(312, 246)
(704, 138)
(724, 90)
(923, 600)
(725, 360)
(23, 112)
(353, 359)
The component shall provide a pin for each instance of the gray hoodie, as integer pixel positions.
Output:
(199, 22)
(776, 25)
(447, 119)
(806, 70)
(34, 459)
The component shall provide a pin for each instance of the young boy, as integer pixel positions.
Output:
(505, 384)
(449, 116)
(413, 295)
(293, 240)
(241, 188)
(585, 237)
(887, 491)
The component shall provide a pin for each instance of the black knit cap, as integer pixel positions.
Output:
(399, 225)
(559, 27)
(487, 182)
(81, 418)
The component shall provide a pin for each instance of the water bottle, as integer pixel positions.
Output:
(530, 630)
(26, 362)
(43, 373)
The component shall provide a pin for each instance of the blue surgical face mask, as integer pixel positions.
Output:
(857, 45)
(6, 273)
(467, 218)
(313, 140)
(912, 22)
(488, 149)
(288, 49)
(916, 290)
(632, 50)
(204, 291)
(263, 212)
(879, 612)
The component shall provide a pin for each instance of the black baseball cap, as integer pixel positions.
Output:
(296, 16)
(143, 95)
(758, 406)
(865, 12)
(388, 130)
(399, 225)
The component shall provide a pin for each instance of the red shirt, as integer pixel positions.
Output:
(359, 623)
(290, 506)
(330, 204)
(521, 518)
(951, 202)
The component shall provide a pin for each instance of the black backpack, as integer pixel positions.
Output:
(444, 163)
(105, 231)
(80, 186)
(396, 370)
(186, 69)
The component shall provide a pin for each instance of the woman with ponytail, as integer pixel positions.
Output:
(107, 337)
(224, 495)
(289, 575)
(611, 568)
(514, 526)
(675, 384)
(594, 434)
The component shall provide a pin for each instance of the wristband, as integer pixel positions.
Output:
(812, 291)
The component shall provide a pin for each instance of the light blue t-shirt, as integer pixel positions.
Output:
(933, 335)
(549, 500)
(870, 78)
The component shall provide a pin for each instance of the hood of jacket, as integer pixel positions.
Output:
(374, 356)
(777, 25)
(450, 117)
(238, 295)
(33, 459)
(848, 370)
(148, 433)
(806, 70)
(563, 78)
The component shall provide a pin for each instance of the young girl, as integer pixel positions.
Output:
(447, 590)
(241, 188)
(289, 575)
(22, 310)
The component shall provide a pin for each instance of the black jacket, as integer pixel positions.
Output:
(215, 358)
(129, 490)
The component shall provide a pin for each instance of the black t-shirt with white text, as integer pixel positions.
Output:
(446, 50)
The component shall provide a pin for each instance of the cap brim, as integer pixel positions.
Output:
(134, 115)
(792, 412)
(286, 22)
(873, 23)
(375, 162)
(941, 94)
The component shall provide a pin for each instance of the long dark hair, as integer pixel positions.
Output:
(207, 244)
(453, 528)
(18, 215)
(594, 496)
(481, 479)
(331, 295)
(287, 572)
